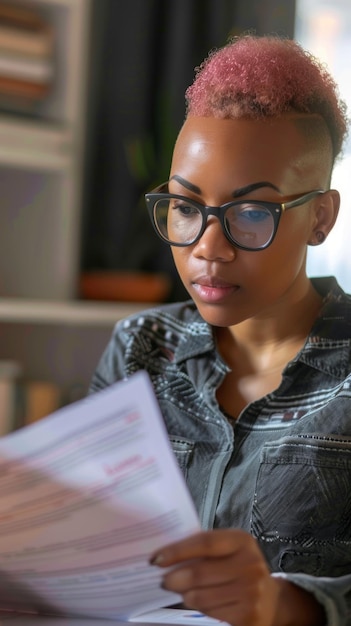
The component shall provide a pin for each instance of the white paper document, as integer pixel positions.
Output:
(86, 496)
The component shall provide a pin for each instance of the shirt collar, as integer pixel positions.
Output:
(197, 338)
(327, 348)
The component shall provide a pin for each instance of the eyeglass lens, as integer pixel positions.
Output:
(248, 224)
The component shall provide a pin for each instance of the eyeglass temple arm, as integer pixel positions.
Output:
(302, 199)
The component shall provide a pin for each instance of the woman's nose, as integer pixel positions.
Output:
(213, 245)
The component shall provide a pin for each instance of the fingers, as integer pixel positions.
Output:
(223, 574)
(216, 543)
(200, 573)
(224, 604)
(204, 573)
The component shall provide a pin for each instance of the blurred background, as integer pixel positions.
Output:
(91, 101)
(139, 108)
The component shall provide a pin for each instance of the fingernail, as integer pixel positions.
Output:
(157, 559)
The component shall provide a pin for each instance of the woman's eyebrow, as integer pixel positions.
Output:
(186, 183)
(241, 191)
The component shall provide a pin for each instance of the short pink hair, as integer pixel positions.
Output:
(259, 77)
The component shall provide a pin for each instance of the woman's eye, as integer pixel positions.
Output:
(255, 214)
(185, 209)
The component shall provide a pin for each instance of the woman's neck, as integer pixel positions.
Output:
(269, 340)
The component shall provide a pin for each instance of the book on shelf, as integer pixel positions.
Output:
(26, 134)
(105, 493)
(37, 44)
(23, 103)
(27, 68)
(39, 398)
(23, 30)
(22, 89)
(26, 56)
(21, 97)
(21, 15)
(9, 375)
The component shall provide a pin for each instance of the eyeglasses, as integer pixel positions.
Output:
(247, 224)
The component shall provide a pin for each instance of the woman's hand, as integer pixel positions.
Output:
(223, 574)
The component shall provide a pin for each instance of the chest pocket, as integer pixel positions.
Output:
(302, 507)
(183, 451)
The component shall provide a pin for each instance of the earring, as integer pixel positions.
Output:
(319, 238)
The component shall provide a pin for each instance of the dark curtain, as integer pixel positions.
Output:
(142, 58)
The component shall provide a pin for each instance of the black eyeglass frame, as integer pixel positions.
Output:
(276, 209)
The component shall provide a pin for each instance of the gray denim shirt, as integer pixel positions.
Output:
(282, 471)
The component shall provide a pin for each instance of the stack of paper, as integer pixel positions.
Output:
(86, 496)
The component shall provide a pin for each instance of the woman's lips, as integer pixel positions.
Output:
(211, 290)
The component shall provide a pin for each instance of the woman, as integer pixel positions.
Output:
(253, 373)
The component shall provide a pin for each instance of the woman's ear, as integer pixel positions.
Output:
(326, 212)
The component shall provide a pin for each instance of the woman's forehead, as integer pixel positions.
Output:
(232, 131)
(252, 150)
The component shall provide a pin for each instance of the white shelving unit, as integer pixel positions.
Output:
(58, 341)
(41, 162)
(75, 313)
(42, 326)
